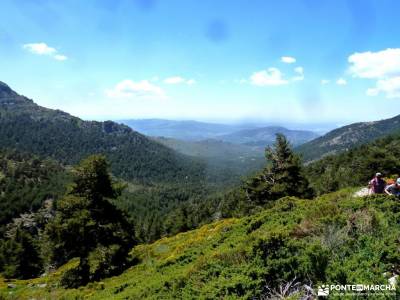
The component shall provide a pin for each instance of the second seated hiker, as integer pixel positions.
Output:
(393, 189)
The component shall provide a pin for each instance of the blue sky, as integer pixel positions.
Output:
(297, 61)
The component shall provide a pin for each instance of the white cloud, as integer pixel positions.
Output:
(375, 64)
(288, 59)
(140, 89)
(179, 80)
(44, 49)
(40, 48)
(341, 81)
(383, 66)
(300, 74)
(271, 76)
(325, 81)
(60, 57)
(390, 86)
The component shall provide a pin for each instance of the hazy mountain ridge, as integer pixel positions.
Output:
(265, 136)
(347, 137)
(184, 130)
(259, 135)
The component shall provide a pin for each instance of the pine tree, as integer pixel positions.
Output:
(88, 226)
(19, 256)
(283, 175)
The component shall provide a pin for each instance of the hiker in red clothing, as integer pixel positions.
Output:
(377, 184)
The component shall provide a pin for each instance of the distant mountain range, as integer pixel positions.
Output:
(183, 130)
(31, 128)
(265, 136)
(248, 134)
(307, 143)
(347, 137)
(237, 149)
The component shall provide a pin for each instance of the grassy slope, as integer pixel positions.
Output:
(336, 238)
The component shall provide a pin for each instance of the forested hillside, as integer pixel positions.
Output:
(356, 166)
(347, 137)
(228, 161)
(82, 224)
(26, 181)
(165, 210)
(56, 134)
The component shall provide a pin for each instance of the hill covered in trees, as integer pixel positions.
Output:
(347, 137)
(83, 224)
(187, 207)
(31, 128)
(230, 160)
(90, 215)
(26, 181)
(356, 166)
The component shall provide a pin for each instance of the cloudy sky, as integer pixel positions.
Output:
(226, 60)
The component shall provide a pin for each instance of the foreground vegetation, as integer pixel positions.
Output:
(334, 239)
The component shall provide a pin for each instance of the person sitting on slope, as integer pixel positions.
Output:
(393, 189)
(377, 184)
